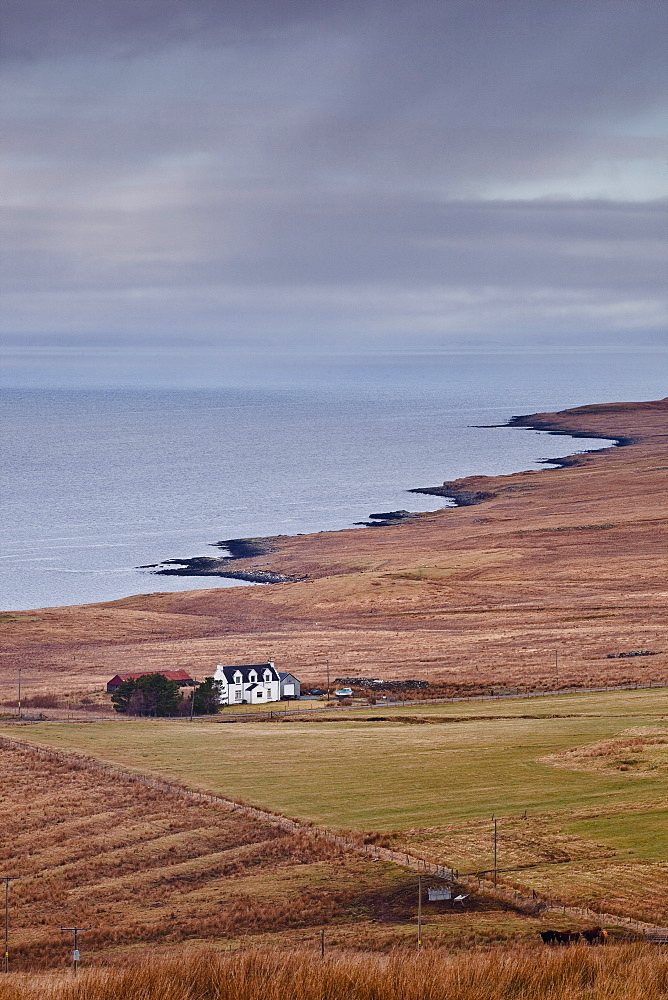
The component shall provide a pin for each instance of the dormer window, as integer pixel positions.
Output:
(237, 677)
(252, 677)
(267, 676)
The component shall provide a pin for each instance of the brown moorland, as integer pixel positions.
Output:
(145, 868)
(567, 561)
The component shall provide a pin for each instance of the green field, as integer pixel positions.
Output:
(432, 777)
(388, 775)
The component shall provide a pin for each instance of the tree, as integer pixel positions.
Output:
(122, 696)
(151, 694)
(207, 697)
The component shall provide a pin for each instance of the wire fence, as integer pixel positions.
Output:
(530, 904)
(334, 706)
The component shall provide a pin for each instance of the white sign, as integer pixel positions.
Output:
(75, 955)
(439, 894)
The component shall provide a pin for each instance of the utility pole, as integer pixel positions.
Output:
(419, 938)
(7, 879)
(192, 701)
(556, 664)
(327, 662)
(75, 952)
(322, 943)
(19, 698)
(495, 843)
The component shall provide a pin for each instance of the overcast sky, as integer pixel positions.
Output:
(272, 172)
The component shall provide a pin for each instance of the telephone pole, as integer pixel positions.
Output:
(75, 952)
(192, 701)
(19, 698)
(327, 662)
(419, 938)
(7, 879)
(495, 840)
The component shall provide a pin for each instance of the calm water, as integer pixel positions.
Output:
(98, 481)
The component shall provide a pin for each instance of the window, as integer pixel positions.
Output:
(259, 694)
(237, 694)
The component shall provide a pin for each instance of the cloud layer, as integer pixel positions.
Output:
(290, 171)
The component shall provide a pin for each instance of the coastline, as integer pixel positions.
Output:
(535, 586)
(455, 490)
(529, 421)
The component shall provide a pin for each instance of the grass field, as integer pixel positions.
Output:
(143, 867)
(389, 774)
(580, 973)
(152, 869)
(430, 778)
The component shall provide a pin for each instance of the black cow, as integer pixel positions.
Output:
(560, 937)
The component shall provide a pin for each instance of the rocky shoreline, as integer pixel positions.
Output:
(211, 566)
(462, 492)
(389, 517)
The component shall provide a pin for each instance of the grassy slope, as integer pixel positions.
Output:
(145, 868)
(388, 775)
(563, 559)
(589, 835)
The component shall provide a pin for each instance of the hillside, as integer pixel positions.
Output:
(567, 561)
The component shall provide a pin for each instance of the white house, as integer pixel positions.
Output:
(251, 684)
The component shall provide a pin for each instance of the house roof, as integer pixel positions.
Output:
(244, 669)
(284, 676)
(171, 675)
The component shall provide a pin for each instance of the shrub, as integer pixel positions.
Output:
(207, 697)
(151, 694)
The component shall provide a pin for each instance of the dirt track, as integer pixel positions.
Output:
(569, 561)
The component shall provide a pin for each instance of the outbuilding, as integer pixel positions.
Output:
(182, 678)
(290, 687)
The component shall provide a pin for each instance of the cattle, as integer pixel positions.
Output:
(560, 937)
(595, 935)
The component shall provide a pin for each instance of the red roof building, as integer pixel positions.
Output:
(182, 677)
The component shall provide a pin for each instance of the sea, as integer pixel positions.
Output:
(98, 480)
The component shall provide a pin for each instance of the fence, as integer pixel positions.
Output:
(409, 861)
(232, 805)
(335, 707)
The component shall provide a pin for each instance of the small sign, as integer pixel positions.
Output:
(75, 955)
(438, 894)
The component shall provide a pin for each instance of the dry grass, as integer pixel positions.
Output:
(587, 837)
(475, 597)
(638, 750)
(145, 867)
(577, 973)
(148, 869)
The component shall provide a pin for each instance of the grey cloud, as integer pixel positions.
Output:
(267, 167)
(351, 243)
